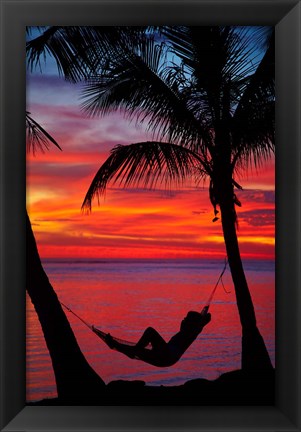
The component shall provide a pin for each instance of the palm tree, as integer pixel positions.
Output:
(206, 93)
(74, 376)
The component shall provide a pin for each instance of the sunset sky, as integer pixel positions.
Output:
(128, 223)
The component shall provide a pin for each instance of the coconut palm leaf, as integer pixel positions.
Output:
(37, 137)
(218, 56)
(261, 85)
(202, 59)
(140, 82)
(68, 46)
(253, 123)
(255, 142)
(237, 83)
(30, 29)
(79, 51)
(74, 49)
(146, 164)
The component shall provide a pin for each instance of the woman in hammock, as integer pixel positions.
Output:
(164, 354)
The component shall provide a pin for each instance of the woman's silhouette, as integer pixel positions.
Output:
(164, 354)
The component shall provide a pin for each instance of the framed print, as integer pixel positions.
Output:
(137, 313)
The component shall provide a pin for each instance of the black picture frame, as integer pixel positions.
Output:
(286, 414)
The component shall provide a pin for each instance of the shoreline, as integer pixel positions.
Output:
(231, 388)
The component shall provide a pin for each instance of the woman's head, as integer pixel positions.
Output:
(195, 320)
(192, 319)
(192, 315)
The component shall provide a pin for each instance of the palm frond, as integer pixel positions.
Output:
(199, 49)
(149, 90)
(37, 137)
(260, 85)
(257, 142)
(218, 57)
(253, 123)
(79, 51)
(145, 164)
(68, 46)
(30, 30)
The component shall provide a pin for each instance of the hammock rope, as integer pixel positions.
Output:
(220, 279)
(103, 335)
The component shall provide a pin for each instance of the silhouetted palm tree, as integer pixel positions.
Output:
(206, 93)
(73, 375)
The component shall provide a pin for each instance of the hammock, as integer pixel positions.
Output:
(104, 336)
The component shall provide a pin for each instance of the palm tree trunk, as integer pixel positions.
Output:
(75, 379)
(254, 352)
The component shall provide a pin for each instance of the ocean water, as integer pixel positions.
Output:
(124, 297)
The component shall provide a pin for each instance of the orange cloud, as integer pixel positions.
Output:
(139, 223)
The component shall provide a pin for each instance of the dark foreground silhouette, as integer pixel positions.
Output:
(240, 387)
(162, 353)
(232, 388)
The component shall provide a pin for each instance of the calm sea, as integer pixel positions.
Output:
(124, 297)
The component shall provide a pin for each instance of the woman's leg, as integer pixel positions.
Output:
(157, 356)
(151, 336)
